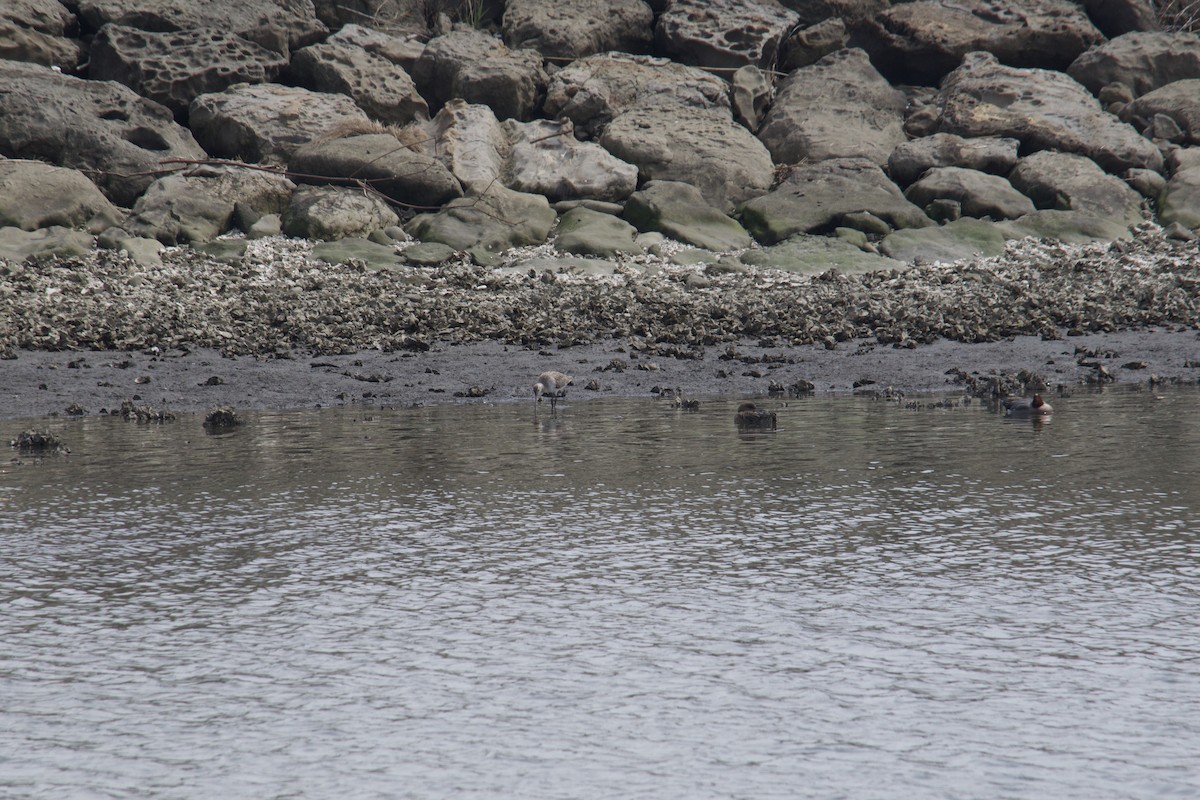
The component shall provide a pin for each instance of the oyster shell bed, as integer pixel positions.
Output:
(278, 298)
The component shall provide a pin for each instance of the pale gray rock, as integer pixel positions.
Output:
(200, 204)
(278, 26)
(470, 142)
(703, 147)
(18, 245)
(34, 194)
(40, 31)
(911, 159)
(963, 238)
(176, 67)
(103, 129)
(470, 65)
(487, 225)
(592, 91)
(750, 90)
(724, 33)
(377, 86)
(545, 158)
(381, 162)
(1071, 182)
(1044, 110)
(540, 157)
(584, 232)
(839, 107)
(1068, 227)
(810, 44)
(578, 28)
(816, 255)
(428, 254)
(1141, 61)
(329, 213)
(1146, 182)
(402, 50)
(978, 194)
(1180, 202)
(269, 122)
(681, 212)
(920, 42)
(357, 248)
(814, 198)
(1178, 102)
(265, 226)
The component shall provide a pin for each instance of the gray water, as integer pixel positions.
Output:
(623, 601)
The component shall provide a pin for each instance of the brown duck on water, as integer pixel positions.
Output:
(1027, 407)
(751, 416)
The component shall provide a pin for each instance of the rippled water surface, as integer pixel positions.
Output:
(623, 601)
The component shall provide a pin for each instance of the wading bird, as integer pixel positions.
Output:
(553, 385)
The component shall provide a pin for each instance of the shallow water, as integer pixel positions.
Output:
(620, 601)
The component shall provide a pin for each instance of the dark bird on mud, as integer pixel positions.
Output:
(553, 385)
(1027, 407)
(751, 416)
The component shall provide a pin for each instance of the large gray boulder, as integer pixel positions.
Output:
(809, 44)
(681, 212)
(488, 224)
(978, 194)
(40, 31)
(920, 42)
(699, 32)
(403, 51)
(1044, 110)
(815, 198)
(545, 158)
(174, 68)
(911, 159)
(592, 91)
(706, 148)
(269, 122)
(1179, 102)
(540, 157)
(816, 255)
(378, 86)
(278, 26)
(17, 245)
(472, 66)
(381, 162)
(103, 129)
(329, 213)
(198, 205)
(1141, 61)
(584, 232)
(34, 194)
(578, 28)
(1180, 202)
(1071, 182)
(963, 238)
(839, 107)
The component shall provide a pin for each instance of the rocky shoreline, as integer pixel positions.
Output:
(719, 189)
(277, 330)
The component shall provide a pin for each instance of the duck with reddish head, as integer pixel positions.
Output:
(751, 416)
(1027, 407)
